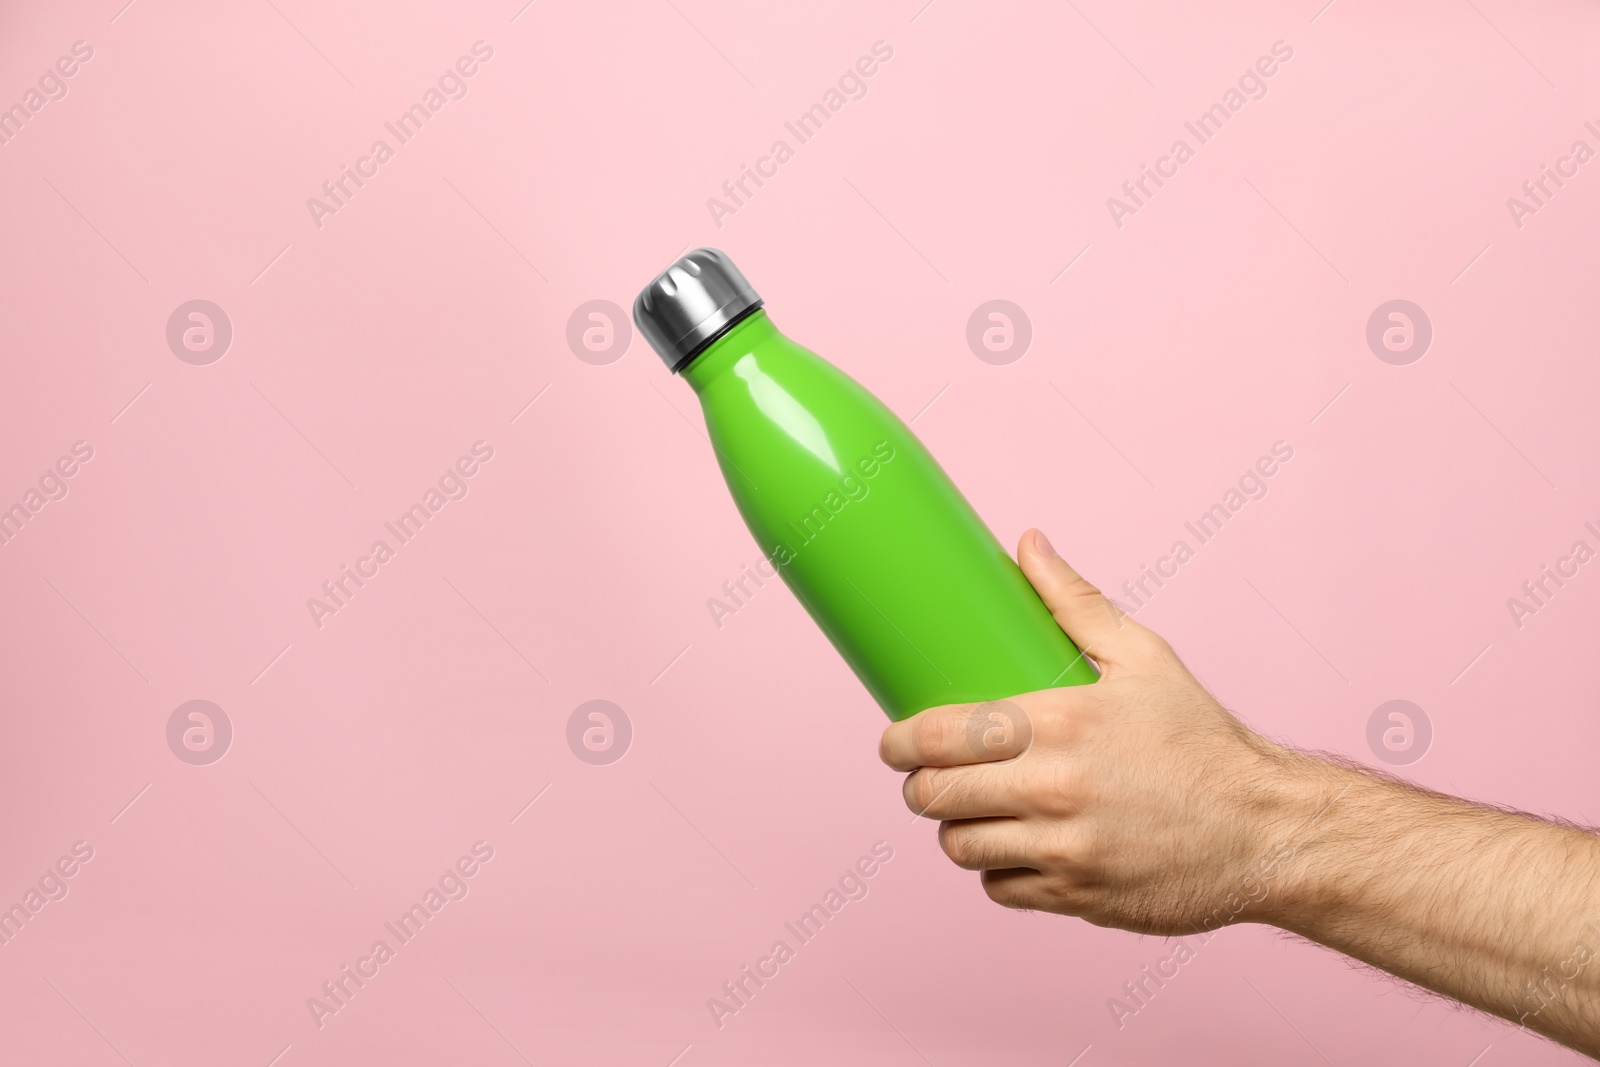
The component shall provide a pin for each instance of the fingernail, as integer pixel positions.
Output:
(1043, 545)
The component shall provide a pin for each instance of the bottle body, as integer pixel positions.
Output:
(876, 542)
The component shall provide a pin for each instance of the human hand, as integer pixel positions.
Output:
(1139, 802)
(1136, 802)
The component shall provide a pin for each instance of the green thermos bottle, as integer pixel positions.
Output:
(865, 527)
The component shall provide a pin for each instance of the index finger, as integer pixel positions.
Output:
(956, 735)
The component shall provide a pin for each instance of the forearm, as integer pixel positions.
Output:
(1499, 910)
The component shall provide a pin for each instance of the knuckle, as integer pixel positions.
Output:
(1083, 587)
(1052, 721)
(1069, 897)
(923, 790)
(1071, 850)
(999, 729)
(1002, 891)
(1062, 717)
(1020, 890)
(950, 793)
(1057, 800)
(911, 790)
(1154, 646)
(961, 844)
(950, 841)
(928, 733)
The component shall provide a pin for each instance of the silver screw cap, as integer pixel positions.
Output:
(691, 303)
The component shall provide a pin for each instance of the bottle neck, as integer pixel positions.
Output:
(749, 332)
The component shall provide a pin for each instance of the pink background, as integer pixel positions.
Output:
(368, 354)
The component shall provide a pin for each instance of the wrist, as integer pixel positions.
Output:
(1303, 852)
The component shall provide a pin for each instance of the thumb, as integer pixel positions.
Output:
(1100, 629)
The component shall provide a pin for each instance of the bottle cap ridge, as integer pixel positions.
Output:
(690, 303)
